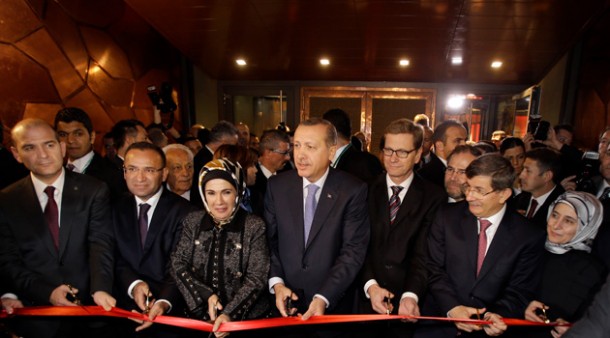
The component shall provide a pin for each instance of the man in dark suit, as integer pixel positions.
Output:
(10, 171)
(539, 179)
(445, 138)
(455, 173)
(483, 255)
(56, 240)
(75, 129)
(318, 227)
(401, 207)
(361, 164)
(147, 225)
(124, 133)
(274, 152)
(596, 321)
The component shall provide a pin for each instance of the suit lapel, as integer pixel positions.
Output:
(327, 200)
(411, 202)
(69, 206)
(296, 208)
(471, 238)
(156, 223)
(36, 218)
(381, 223)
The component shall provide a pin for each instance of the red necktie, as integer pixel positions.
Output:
(482, 243)
(51, 215)
(143, 222)
(532, 210)
(394, 202)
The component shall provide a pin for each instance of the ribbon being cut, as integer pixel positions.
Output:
(242, 325)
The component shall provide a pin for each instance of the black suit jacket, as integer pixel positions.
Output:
(28, 257)
(105, 171)
(337, 243)
(396, 255)
(150, 263)
(508, 276)
(595, 323)
(202, 158)
(360, 164)
(522, 202)
(434, 171)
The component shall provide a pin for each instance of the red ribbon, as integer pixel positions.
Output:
(246, 324)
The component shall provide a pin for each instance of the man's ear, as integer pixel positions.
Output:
(16, 154)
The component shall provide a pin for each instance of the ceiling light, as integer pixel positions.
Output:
(456, 60)
(496, 64)
(403, 62)
(324, 62)
(240, 62)
(455, 102)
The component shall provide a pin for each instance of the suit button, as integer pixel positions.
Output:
(304, 266)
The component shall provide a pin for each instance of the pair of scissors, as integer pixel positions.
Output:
(76, 300)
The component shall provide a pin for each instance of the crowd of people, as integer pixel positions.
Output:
(223, 225)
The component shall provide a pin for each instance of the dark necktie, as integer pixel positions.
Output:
(394, 202)
(485, 224)
(71, 166)
(605, 195)
(310, 208)
(51, 215)
(143, 222)
(532, 210)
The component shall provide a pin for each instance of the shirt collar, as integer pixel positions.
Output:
(319, 183)
(265, 171)
(152, 201)
(40, 186)
(542, 198)
(338, 154)
(496, 218)
(405, 184)
(82, 163)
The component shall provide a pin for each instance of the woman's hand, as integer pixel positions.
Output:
(221, 319)
(214, 306)
(530, 311)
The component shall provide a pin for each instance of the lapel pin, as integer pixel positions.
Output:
(329, 196)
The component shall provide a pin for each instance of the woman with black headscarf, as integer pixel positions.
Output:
(221, 263)
(570, 275)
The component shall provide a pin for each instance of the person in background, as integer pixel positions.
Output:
(564, 133)
(157, 137)
(221, 262)
(247, 159)
(10, 170)
(180, 166)
(571, 276)
(254, 141)
(445, 138)
(455, 174)
(513, 149)
(192, 143)
(244, 134)
(109, 149)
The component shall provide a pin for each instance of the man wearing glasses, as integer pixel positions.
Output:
(401, 206)
(455, 173)
(274, 150)
(147, 225)
(483, 255)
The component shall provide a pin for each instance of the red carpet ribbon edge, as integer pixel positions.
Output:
(242, 325)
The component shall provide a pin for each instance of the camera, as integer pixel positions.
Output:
(540, 130)
(163, 98)
(590, 168)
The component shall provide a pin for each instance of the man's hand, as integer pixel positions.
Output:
(282, 293)
(497, 326)
(530, 311)
(10, 304)
(464, 312)
(139, 293)
(104, 299)
(378, 296)
(569, 183)
(214, 306)
(316, 308)
(157, 310)
(58, 296)
(221, 319)
(558, 331)
(528, 139)
(552, 141)
(408, 307)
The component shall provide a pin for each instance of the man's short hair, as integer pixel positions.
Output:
(221, 129)
(147, 146)
(566, 127)
(422, 120)
(73, 114)
(441, 130)
(331, 132)
(270, 140)
(465, 149)
(177, 146)
(405, 126)
(495, 166)
(340, 120)
(547, 159)
(124, 128)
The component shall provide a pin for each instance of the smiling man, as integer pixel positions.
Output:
(317, 226)
(483, 255)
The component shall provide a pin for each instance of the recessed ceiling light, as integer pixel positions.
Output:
(403, 62)
(240, 62)
(456, 60)
(324, 62)
(496, 64)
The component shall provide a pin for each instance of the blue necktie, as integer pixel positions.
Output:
(310, 208)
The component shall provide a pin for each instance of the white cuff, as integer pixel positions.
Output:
(410, 295)
(131, 286)
(272, 282)
(166, 302)
(317, 295)
(368, 284)
(9, 296)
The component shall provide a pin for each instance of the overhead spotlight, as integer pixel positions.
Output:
(455, 102)
(240, 62)
(496, 64)
(324, 62)
(456, 60)
(403, 62)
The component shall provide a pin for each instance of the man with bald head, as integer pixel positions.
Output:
(56, 241)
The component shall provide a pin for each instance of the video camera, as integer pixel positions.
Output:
(163, 99)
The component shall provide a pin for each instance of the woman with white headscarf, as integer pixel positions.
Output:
(570, 275)
(221, 262)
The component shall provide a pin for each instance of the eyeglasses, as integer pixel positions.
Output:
(135, 170)
(283, 153)
(400, 153)
(451, 170)
(476, 192)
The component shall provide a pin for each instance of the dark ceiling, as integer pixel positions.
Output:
(364, 39)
